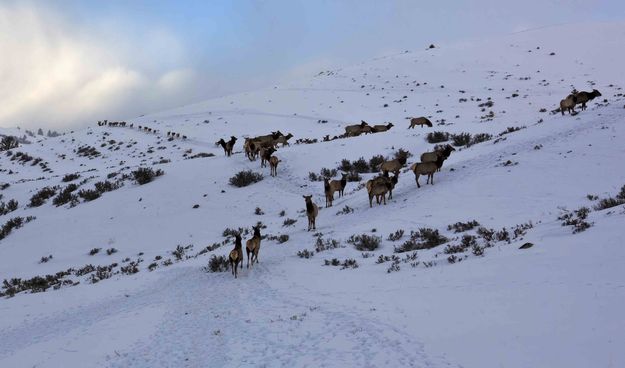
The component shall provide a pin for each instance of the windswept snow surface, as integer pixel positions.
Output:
(557, 304)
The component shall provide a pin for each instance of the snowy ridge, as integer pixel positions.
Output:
(555, 304)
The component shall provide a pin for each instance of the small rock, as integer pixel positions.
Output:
(526, 245)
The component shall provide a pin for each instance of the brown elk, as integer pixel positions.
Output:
(311, 212)
(253, 246)
(236, 255)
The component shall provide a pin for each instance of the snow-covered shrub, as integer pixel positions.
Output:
(131, 268)
(322, 245)
(460, 227)
(375, 162)
(345, 211)
(610, 202)
(576, 219)
(347, 263)
(424, 238)
(437, 137)
(461, 139)
(89, 194)
(397, 235)
(288, 222)
(8, 142)
(305, 253)
(365, 242)
(70, 177)
(144, 175)
(45, 259)
(105, 186)
(245, 178)
(218, 264)
(12, 224)
(479, 138)
(42, 196)
(7, 207)
(66, 195)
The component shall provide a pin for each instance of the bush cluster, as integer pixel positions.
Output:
(365, 242)
(245, 178)
(144, 175)
(424, 238)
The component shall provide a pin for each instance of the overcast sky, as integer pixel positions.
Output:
(69, 63)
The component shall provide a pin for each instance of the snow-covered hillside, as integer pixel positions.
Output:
(473, 299)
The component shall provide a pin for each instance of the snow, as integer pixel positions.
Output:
(555, 304)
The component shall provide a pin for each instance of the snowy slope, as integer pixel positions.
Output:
(555, 304)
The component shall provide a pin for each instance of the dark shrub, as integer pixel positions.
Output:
(10, 206)
(361, 166)
(425, 238)
(42, 196)
(70, 177)
(305, 253)
(348, 263)
(345, 165)
(245, 178)
(365, 242)
(396, 235)
(323, 245)
(218, 264)
(479, 138)
(144, 175)
(289, 222)
(327, 173)
(14, 223)
(610, 202)
(8, 142)
(65, 195)
(88, 194)
(353, 176)
(375, 162)
(460, 227)
(105, 186)
(461, 139)
(402, 153)
(576, 219)
(111, 251)
(94, 251)
(437, 137)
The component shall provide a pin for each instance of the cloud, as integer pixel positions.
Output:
(55, 74)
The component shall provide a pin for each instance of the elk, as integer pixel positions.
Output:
(424, 168)
(273, 165)
(227, 146)
(583, 97)
(393, 165)
(378, 187)
(265, 155)
(356, 130)
(381, 128)
(283, 139)
(236, 255)
(311, 212)
(568, 104)
(327, 190)
(439, 155)
(253, 246)
(338, 185)
(419, 121)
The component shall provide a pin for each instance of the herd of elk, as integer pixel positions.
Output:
(378, 187)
